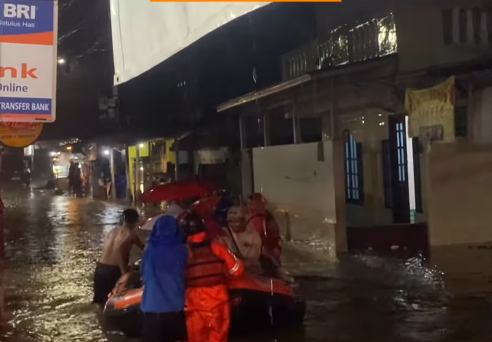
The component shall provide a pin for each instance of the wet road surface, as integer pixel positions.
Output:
(54, 241)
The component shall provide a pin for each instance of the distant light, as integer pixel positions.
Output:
(106, 152)
(52, 154)
(69, 148)
(58, 153)
(29, 150)
(61, 61)
(141, 169)
(141, 145)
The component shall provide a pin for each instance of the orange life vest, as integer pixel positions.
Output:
(205, 269)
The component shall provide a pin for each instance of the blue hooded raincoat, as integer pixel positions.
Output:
(163, 268)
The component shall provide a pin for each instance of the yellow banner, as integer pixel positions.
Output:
(431, 112)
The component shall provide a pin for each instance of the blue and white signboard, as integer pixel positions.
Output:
(28, 60)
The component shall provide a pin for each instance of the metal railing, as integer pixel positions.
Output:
(346, 44)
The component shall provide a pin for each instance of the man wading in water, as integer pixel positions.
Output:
(115, 258)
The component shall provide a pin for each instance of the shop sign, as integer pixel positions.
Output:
(28, 60)
(19, 134)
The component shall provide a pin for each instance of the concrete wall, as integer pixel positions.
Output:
(305, 189)
(457, 181)
(460, 214)
(418, 19)
(459, 199)
(481, 116)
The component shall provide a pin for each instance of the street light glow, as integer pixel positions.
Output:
(141, 145)
(53, 154)
(61, 61)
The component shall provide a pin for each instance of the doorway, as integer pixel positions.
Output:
(401, 168)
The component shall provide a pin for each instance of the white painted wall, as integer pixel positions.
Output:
(292, 177)
(459, 203)
(306, 182)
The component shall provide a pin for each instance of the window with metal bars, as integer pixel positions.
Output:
(388, 185)
(401, 152)
(354, 173)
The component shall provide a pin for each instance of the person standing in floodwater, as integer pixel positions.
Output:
(115, 258)
(71, 171)
(77, 180)
(208, 315)
(163, 271)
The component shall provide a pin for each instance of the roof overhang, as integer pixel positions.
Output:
(336, 71)
(253, 96)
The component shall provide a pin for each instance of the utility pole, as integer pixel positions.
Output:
(32, 161)
(128, 189)
(176, 167)
(137, 174)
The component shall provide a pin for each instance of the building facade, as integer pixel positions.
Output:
(347, 89)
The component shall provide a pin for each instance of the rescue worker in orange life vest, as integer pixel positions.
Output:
(207, 298)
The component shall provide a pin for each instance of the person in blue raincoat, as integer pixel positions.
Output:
(163, 271)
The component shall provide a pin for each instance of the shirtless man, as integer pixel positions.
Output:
(115, 258)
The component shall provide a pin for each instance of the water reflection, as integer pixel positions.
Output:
(53, 242)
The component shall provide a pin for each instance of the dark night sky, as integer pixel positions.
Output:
(216, 68)
(85, 43)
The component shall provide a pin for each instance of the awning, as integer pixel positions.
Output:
(314, 75)
(146, 33)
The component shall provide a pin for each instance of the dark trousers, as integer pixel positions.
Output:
(105, 279)
(164, 327)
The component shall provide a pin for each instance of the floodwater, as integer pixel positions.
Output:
(53, 242)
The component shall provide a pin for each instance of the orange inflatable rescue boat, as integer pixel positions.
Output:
(257, 302)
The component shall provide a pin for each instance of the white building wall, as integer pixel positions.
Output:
(304, 185)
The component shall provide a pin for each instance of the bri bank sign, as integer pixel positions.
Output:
(28, 60)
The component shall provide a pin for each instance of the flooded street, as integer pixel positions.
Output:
(53, 242)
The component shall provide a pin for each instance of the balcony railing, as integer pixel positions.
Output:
(300, 61)
(346, 44)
